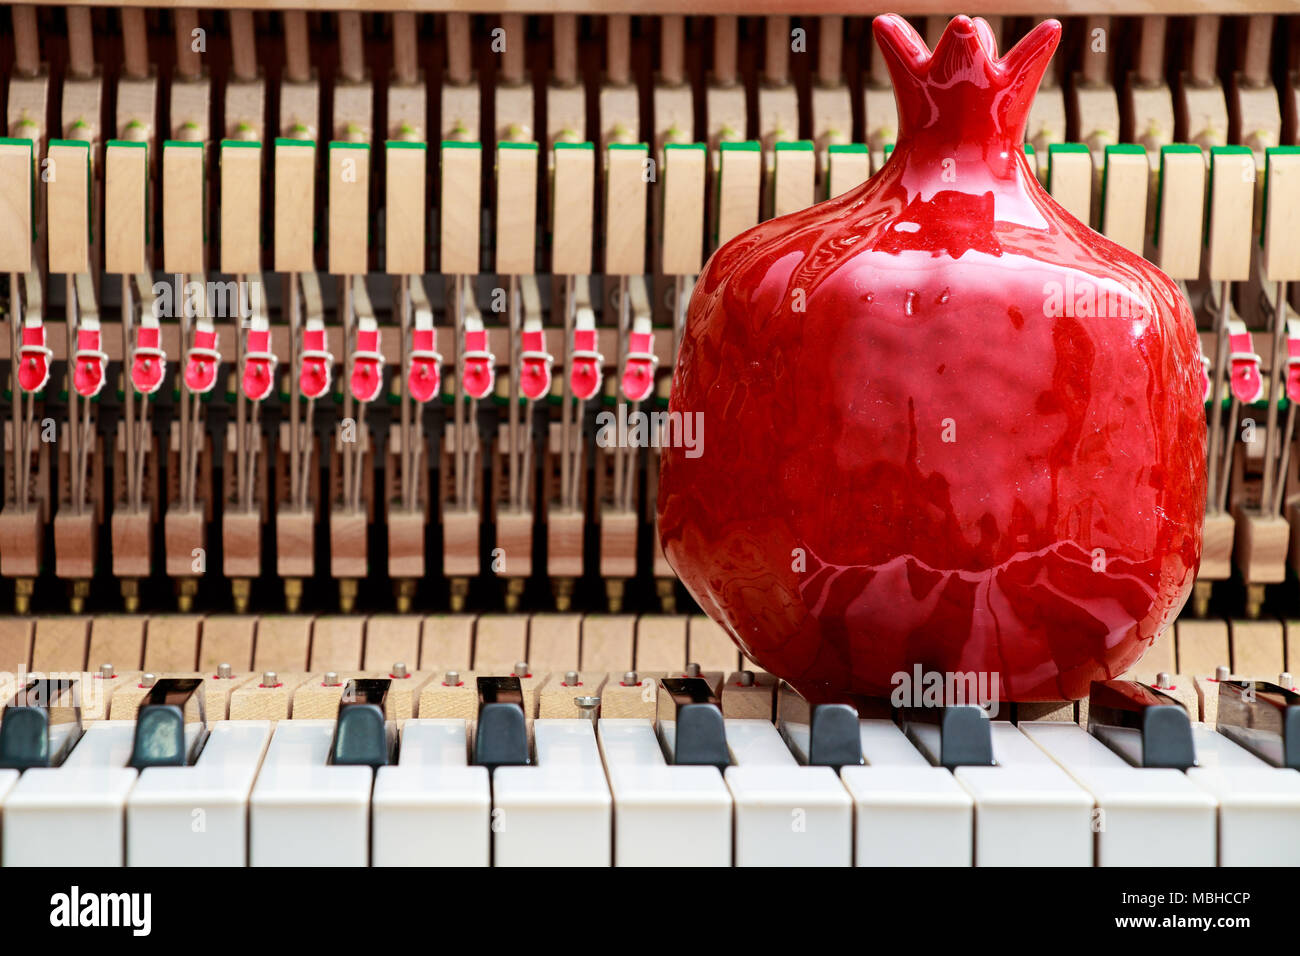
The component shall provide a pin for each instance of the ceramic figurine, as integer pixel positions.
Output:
(945, 424)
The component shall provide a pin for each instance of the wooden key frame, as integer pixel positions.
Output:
(516, 208)
(739, 190)
(404, 207)
(295, 194)
(1069, 178)
(461, 165)
(183, 206)
(625, 208)
(17, 204)
(572, 208)
(67, 190)
(1231, 219)
(348, 168)
(849, 166)
(684, 181)
(240, 245)
(1180, 221)
(1281, 251)
(795, 179)
(1125, 179)
(126, 186)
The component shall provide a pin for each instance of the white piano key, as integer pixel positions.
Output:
(1215, 750)
(303, 811)
(786, 814)
(197, 815)
(1259, 804)
(755, 743)
(663, 815)
(1259, 813)
(909, 816)
(432, 808)
(907, 812)
(558, 812)
(73, 814)
(1145, 816)
(106, 743)
(885, 744)
(1028, 812)
(62, 740)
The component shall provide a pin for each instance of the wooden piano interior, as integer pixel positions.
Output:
(315, 319)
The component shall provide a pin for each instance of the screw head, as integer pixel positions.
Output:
(746, 678)
(629, 678)
(148, 680)
(692, 670)
(1163, 681)
(570, 678)
(106, 671)
(331, 679)
(223, 671)
(270, 679)
(453, 679)
(1221, 673)
(399, 670)
(521, 669)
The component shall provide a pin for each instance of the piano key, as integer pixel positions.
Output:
(558, 812)
(1263, 718)
(501, 728)
(1259, 813)
(787, 814)
(73, 815)
(690, 724)
(432, 808)
(952, 736)
(1028, 811)
(664, 815)
(1144, 816)
(1144, 725)
(902, 800)
(303, 812)
(198, 815)
(909, 814)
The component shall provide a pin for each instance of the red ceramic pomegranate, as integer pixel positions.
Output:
(945, 424)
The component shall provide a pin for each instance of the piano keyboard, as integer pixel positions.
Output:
(707, 769)
(596, 794)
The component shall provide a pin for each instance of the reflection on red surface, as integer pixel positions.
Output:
(945, 423)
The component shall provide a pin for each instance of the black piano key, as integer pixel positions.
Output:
(25, 730)
(160, 723)
(501, 737)
(700, 733)
(1145, 726)
(1264, 718)
(361, 732)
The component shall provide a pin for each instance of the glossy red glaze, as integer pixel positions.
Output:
(944, 423)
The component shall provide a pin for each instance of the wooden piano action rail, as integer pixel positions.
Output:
(732, 7)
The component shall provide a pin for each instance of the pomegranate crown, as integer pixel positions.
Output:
(963, 90)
